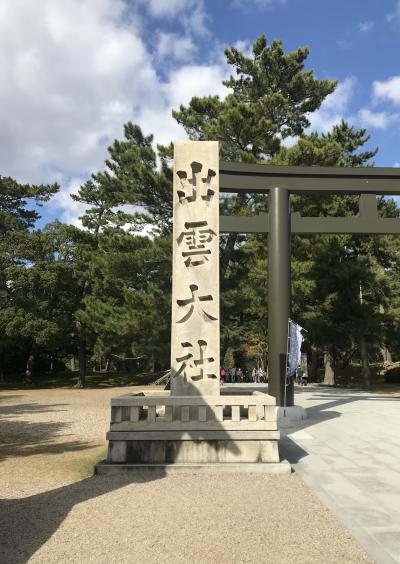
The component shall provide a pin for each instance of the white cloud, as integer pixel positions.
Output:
(73, 72)
(65, 208)
(389, 89)
(173, 45)
(196, 22)
(70, 75)
(378, 120)
(338, 101)
(245, 46)
(194, 80)
(191, 13)
(396, 165)
(365, 27)
(334, 107)
(183, 83)
(169, 8)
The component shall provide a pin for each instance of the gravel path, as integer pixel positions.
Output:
(54, 511)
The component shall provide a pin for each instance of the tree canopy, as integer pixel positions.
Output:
(101, 294)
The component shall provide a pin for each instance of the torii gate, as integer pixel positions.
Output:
(279, 182)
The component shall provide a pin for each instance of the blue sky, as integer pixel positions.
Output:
(74, 71)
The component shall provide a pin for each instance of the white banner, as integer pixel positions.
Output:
(295, 339)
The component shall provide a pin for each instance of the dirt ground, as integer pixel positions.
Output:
(54, 510)
(392, 390)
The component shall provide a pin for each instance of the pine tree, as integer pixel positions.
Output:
(131, 195)
(17, 218)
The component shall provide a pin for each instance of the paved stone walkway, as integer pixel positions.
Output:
(348, 453)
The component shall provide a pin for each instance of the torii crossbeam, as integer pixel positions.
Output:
(279, 182)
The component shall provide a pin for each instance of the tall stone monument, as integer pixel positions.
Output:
(195, 270)
(194, 426)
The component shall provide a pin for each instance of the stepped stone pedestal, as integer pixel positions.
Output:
(237, 432)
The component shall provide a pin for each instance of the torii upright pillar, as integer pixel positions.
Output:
(279, 292)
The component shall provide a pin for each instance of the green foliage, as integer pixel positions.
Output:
(41, 294)
(24, 319)
(131, 191)
(125, 277)
(128, 306)
(336, 148)
(271, 98)
(14, 214)
(103, 292)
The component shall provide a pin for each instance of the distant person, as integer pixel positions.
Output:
(239, 375)
(254, 375)
(303, 377)
(222, 375)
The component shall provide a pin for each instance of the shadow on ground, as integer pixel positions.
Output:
(20, 437)
(27, 523)
(290, 451)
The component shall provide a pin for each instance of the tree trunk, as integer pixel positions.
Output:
(73, 363)
(30, 365)
(108, 364)
(224, 350)
(329, 377)
(386, 354)
(347, 358)
(365, 370)
(227, 254)
(313, 371)
(82, 364)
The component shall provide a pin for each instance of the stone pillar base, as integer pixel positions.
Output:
(193, 431)
(289, 416)
(192, 452)
(161, 470)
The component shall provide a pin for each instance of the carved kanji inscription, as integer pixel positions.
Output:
(196, 367)
(195, 302)
(195, 187)
(196, 242)
(195, 276)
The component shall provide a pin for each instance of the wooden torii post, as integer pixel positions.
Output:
(279, 182)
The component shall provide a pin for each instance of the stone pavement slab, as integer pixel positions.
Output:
(348, 452)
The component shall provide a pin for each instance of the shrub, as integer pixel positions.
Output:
(393, 376)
